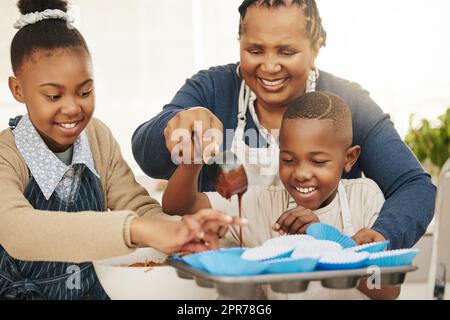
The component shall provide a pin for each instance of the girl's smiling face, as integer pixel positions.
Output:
(58, 90)
(276, 53)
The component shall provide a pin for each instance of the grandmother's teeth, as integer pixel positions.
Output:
(272, 83)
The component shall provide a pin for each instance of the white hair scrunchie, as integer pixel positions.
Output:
(32, 18)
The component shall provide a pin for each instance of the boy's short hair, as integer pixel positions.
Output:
(320, 106)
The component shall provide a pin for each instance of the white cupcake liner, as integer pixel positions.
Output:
(267, 252)
(315, 247)
(289, 240)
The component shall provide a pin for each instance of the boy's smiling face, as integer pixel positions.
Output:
(313, 156)
(58, 90)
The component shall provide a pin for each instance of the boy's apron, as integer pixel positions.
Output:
(32, 280)
(315, 290)
(345, 211)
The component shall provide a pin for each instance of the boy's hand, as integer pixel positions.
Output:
(365, 236)
(295, 221)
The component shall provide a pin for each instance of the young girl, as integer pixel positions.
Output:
(67, 196)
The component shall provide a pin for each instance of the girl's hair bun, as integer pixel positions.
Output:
(47, 34)
(30, 6)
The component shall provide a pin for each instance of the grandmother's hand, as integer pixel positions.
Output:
(194, 135)
(365, 236)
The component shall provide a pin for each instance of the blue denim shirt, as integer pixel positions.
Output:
(385, 158)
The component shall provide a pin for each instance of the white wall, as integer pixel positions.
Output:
(398, 50)
(144, 50)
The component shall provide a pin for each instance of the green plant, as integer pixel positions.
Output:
(430, 142)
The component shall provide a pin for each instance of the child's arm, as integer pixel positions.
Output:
(181, 195)
(37, 235)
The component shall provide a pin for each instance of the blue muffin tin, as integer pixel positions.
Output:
(245, 287)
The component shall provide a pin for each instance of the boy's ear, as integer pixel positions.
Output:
(16, 89)
(351, 157)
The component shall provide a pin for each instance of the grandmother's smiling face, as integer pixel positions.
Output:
(276, 53)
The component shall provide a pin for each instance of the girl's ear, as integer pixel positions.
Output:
(351, 157)
(16, 89)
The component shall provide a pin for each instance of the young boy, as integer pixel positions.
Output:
(315, 150)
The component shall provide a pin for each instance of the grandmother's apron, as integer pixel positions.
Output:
(261, 164)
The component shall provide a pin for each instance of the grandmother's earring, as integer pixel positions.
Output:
(313, 75)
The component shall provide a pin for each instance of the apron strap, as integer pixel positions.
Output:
(345, 211)
(244, 96)
(243, 102)
(13, 122)
(18, 287)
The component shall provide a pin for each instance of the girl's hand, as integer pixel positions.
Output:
(295, 221)
(209, 242)
(194, 135)
(365, 236)
(199, 231)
